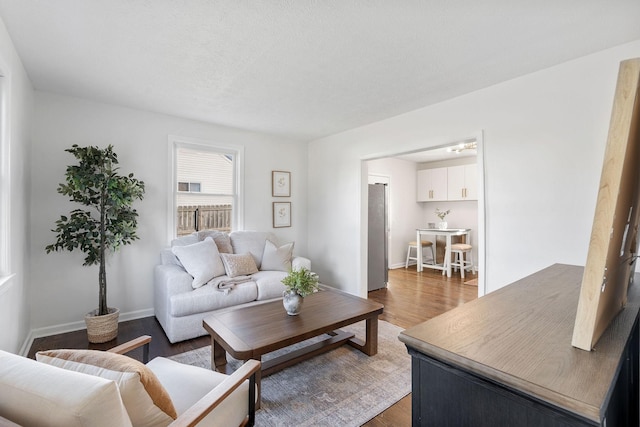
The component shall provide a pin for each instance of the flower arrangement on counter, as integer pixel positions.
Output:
(442, 214)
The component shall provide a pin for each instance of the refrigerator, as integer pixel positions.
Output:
(377, 270)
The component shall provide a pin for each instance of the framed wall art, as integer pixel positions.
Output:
(280, 184)
(281, 214)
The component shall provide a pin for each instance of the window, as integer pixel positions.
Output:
(193, 187)
(205, 183)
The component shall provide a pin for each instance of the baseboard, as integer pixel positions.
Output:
(401, 265)
(75, 326)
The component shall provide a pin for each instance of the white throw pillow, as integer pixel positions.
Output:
(238, 265)
(277, 258)
(201, 260)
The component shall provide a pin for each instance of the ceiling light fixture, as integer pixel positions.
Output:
(462, 147)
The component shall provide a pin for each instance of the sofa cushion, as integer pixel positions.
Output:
(208, 298)
(147, 402)
(36, 394)
(269, 284)
(201, 260)
(251, 242)
(238, 264)
(277, 258)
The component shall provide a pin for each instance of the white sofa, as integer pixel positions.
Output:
(219, 277)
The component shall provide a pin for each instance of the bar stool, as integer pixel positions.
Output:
(414, 245)
(459, 250)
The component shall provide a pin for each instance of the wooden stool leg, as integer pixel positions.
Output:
(406, 263)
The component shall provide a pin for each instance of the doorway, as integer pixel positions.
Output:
(406, 213)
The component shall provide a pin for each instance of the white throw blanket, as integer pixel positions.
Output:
(226, 283)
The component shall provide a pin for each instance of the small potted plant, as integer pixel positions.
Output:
(107, 223)
(442, 225)
(299, 283)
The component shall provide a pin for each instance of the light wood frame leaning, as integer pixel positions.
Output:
(613, 247)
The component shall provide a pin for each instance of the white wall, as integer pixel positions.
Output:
(14, 308)
(63, 290)
(544, 139)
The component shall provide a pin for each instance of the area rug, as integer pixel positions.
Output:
(343, 387)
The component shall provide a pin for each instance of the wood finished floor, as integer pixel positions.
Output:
(409, 299)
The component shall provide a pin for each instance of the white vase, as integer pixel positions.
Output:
(442, 225)
(292, 302)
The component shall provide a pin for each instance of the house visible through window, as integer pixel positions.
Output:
(205, 188)
(193, 187)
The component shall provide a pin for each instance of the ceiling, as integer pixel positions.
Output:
(301, 69)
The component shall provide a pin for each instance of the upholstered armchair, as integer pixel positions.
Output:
(89, 387)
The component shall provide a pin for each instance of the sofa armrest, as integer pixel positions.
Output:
(172, 279)
(299, 262)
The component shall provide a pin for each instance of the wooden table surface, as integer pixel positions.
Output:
(255, 330)
(520, 336)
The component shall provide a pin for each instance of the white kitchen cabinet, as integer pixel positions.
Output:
(462, 182)
(432, 185)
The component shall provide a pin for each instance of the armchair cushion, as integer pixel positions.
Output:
(145, 399)
(174, 375)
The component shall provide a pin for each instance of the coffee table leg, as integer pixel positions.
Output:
(370, 346)
(218, 356)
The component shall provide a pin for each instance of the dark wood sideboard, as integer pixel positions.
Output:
(506, 360)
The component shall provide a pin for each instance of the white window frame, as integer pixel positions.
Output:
(5, 180)
(236, 151)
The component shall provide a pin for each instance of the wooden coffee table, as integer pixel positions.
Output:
(249, 332)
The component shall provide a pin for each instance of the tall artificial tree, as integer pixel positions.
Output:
(108, 221)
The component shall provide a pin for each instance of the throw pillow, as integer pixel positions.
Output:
(145, 399)
(201, 260)
(277, 258)
(222, 240)
(238, 264)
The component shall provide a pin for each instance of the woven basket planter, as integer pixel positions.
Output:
(102, 328)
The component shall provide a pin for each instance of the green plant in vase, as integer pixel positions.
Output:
(442, 215)
(299, 283)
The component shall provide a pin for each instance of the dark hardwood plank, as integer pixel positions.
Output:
(410, 299)
(159, 346)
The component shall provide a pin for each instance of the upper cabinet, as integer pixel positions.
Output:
(462, 182)
(432, 185)
(450, 183)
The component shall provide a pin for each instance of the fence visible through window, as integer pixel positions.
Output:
(198, 218)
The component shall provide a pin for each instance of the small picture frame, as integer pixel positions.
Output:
(280, 184)
(281, 214)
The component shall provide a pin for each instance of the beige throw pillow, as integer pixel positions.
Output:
(277, 258)
(146, 400)
(239, 264)
(221, 239)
